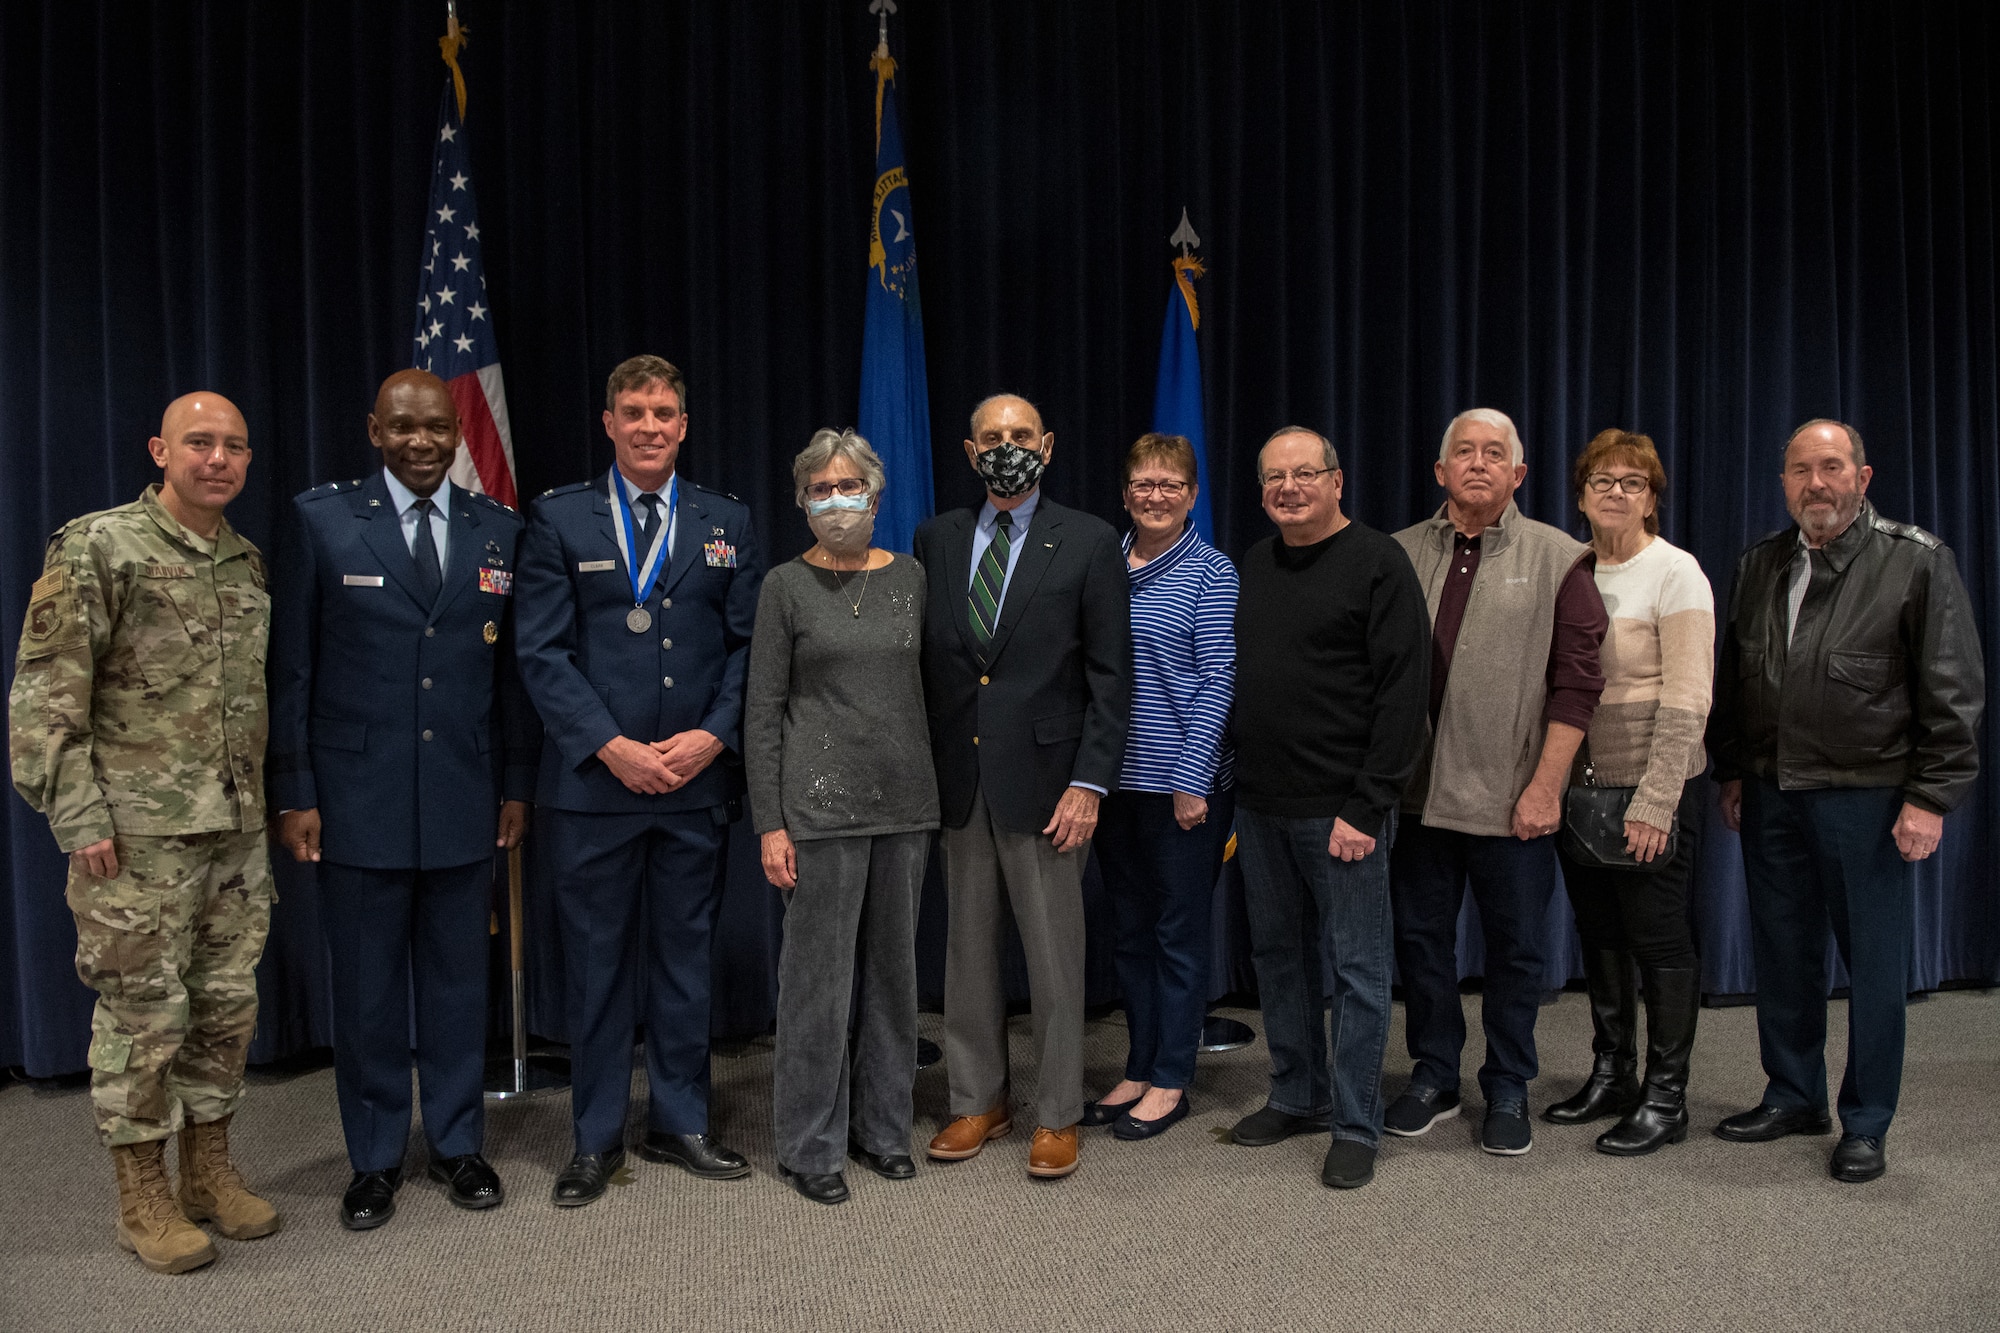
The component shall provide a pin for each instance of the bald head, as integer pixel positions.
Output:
(203, 451)
(415, 425)
(1010, 475)
(999, 400)
(210, 409)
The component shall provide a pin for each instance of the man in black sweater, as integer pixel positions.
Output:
(1332, 674)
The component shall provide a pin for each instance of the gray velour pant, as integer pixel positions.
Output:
(989, 870)
(856, 902)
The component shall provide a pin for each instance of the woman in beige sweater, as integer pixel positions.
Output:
(1658, 660)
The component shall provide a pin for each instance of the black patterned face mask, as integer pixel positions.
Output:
(1009, 470)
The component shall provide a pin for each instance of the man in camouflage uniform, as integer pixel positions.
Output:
(137, 723)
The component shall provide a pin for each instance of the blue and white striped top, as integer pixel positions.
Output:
(1183, 670)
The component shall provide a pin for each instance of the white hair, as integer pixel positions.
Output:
(1486, 416)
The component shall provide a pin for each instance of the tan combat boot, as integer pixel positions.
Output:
(150, 1223)
(212, 1190)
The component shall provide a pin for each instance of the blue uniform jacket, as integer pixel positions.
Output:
(592, 678)
(405, 727)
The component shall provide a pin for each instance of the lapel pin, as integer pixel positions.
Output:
(374, 504)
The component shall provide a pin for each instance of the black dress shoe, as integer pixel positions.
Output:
(1132, 1128)
(370, 1199)
(829, 1188)
(1105, 1113)
(474, 1184)
(1261, 1129)
(888, 1165)
(585, 1178)
(697, 1154)
(1857, 1159)
(1763, 1123)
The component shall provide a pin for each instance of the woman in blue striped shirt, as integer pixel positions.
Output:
(1160, 835)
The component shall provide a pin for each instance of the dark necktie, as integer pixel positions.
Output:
(424, 551)
(990, 579)
(649, 512)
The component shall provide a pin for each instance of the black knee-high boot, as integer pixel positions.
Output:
(1613, 1086)
(1673, 1000)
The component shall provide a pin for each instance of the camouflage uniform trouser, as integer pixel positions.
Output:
(171, 948)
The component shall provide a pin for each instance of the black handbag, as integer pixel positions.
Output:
(1593, 831)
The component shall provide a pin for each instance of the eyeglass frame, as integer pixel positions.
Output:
(1156, 486)
(1303, 476)
(814, 491)
(1590, 483)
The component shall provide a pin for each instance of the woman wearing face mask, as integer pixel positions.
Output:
(842, 792)
(1160, 837)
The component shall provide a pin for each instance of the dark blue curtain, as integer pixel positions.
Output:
(1706, 221)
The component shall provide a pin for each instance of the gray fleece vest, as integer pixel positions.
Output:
(1490, 726)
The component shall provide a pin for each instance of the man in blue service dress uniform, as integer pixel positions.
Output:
(638, 592)
(402, 753)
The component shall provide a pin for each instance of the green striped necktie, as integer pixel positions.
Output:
(990, 579)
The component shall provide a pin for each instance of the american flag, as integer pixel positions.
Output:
(454, 335)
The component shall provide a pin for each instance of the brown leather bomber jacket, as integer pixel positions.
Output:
(1883, 690)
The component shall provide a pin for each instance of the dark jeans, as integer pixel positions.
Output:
(1302, 899)
(1161, 879)
(856, 903)
(1814, 859)
(1640, 912)
(1511, 881)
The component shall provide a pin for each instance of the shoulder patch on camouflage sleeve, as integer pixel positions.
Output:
(50, 583)
(52, 622)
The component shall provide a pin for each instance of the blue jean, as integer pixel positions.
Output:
(1302, 900)
(1161, 879)
(1512, 881)
(1814, 859)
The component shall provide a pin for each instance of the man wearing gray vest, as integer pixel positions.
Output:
(1512, 601)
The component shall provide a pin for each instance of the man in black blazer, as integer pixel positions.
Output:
(402, 753)
(1027, 679)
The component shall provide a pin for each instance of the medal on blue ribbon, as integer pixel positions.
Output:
(643, 574)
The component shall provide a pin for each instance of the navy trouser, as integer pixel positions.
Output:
(1814, 859)
(636, 896)
(1302, 899)
(1161, 879)
(392, 933)
(1512, 881)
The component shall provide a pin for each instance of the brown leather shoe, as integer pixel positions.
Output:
(1053, 1153)
(965, 1136)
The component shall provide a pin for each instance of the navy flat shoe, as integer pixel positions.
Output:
(1130, 1127)
(1105, 1113)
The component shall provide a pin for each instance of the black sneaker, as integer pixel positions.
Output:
(1418, 1109)
(1506, 1132)
(1349, 1165)
(1268, 1125)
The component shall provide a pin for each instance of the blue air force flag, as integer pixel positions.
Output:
(1177, 392)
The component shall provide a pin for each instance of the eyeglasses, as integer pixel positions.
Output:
(1631, 484)
(1304, 476)
(821, 490)
(1166, 490)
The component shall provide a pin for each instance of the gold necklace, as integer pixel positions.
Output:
(866, 570)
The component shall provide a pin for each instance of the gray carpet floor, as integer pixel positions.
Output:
(1186, 1232)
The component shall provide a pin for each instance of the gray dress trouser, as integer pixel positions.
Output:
(856, 901)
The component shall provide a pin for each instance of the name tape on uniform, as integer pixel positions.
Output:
(361, 580)
(595, 566)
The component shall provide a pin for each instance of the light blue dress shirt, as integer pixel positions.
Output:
(983, 530)
(632, 494)
(405, 501)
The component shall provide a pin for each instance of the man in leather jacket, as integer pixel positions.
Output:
(1847, 701)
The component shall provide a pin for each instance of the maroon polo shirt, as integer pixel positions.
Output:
(1575, 672)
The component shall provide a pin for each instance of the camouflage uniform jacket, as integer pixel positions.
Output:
(138, 704)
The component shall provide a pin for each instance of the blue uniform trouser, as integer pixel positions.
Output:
(636, 896)
(395, 934)
(1814, 859)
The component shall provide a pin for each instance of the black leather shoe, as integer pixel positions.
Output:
(585, 1178)
(1105, 1113)
(473, 1183)
(1763, 1123)
(829, 1188)
(697, 1154)
(370, 1199)
(889, 1165)
(1857, 1159)
(1261, 1129)
(1132, 1128)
